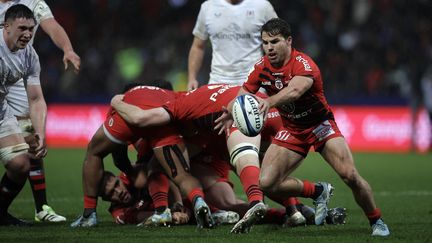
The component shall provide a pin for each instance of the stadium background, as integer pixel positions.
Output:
(371, 53)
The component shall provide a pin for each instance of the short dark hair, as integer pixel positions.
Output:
(277, 26)
(19, 11)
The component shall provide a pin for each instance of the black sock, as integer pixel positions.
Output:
(88, 211)
(37, 183)
(160, 209)
(8, 191)
(253, 203)
(318, 190)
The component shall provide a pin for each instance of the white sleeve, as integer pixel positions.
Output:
(33, 76)
(200, 30)
(42, 11)
(269, 11)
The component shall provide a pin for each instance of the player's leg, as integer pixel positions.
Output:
(219, 193)
(278, 163)
(158, 185)
(13, 154)
(337, 153)
(175, 161)
(244, 157)
(37, 178)
(98, 148)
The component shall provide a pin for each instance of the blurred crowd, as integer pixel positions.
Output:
(369, 51)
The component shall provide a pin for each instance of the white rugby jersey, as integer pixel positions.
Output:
(17, 96)
(234, 32)
(14, 66)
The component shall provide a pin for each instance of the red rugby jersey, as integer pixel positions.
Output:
(202, 106)
(311, 108)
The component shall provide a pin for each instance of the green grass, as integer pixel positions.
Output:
(402, 184)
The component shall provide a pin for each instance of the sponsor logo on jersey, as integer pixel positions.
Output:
(305, 63)
(232, 32)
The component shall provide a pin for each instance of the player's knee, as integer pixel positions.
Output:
(267, 184)
(16, 158)
(241, 151)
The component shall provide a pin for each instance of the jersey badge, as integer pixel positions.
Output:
(278, 83)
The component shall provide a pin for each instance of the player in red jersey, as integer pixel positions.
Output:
(294, 84)
(137, 207)
(167, 145)
(196, 112)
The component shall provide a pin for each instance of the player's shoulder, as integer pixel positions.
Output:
(260, 64)
(301, 58)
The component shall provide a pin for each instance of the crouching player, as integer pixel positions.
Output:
(167, 146)
(197, 111)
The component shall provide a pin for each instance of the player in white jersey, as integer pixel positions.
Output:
(17, 98)
(233, 27)
(18, 60)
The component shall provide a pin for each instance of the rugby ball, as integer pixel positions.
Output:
(246, 115)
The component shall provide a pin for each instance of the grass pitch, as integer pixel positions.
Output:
(402, 184)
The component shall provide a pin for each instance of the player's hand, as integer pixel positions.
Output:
(117, 99)
(192, 84)
(41, 150)
(33, 143)
(71, 56)
(180, 218)
(224, 121)
(264, 105)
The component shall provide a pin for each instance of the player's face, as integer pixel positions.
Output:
(277, 48)
(20, 32)
(116, 191)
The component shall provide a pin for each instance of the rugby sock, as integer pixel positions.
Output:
(194, 194)
(249, 178)
(37, 183)
(8, 191)
(373, 216)
(290, 205)
(311, 190)
(158, 186)
(90, 204)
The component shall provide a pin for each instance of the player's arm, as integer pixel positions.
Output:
(121, 160)
(196, 55)
(295, 89)
(61, 40)
(138, 117)
(38, 113)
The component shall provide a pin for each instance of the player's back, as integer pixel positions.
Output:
(147, 97)
(203, 105)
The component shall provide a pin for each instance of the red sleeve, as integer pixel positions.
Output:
(118, 215)
(305, 66)
(253, 83)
